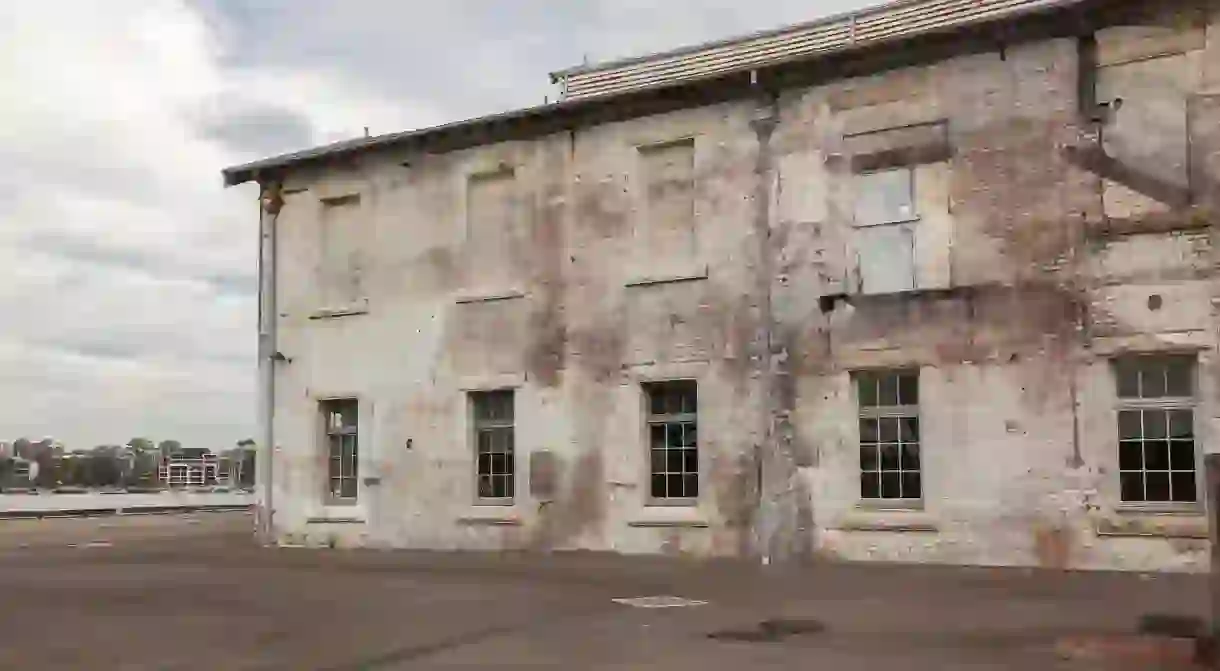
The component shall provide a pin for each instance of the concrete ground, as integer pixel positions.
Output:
(170, 593)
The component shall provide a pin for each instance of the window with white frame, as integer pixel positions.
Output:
(885, 239)
(341, 422)
(1157, 459)
(673, 435)
(890, 460)
(493, 417)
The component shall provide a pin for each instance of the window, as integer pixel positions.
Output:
(885, 236)
(341, 418)
(673, 434)
(1156, 448)
(494, 444)
(890, 463)
(668, 201)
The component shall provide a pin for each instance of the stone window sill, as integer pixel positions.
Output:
(645, 280)
(491, 516)
(358, 308)
(1136, 523)
(472, 297)
(669, 517)
(890, 521)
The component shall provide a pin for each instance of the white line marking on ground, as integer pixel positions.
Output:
(659, 602)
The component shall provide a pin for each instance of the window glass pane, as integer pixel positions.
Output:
(1152, 379)
(1158, 487)
(658, 486)
(1184, 490)
(869, 431)
(912, 488)
(1130, 425)
(1126, 374)
(868, 458)
(908, 389)
(908, 429)
(1132, 484)
(1131, 455)
(889, 429)
(1179, 377)
(910, 457)
(889, 457)
(1182, 455)
(1155, 424)
(891, 485)
(1156, 455)
(889, 390)
(692, 486)
(657, 436)
(866, 390)
(1181, 424)
(870, 486)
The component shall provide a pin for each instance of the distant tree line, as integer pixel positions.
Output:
(45, 464)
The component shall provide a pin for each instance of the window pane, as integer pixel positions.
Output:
(889, 429)
(868, 458)
(1132, 486)
(870, 486)
(889, 390)
(1127, 374)
(657, 439)
(866, 390)
(1155, 424)
(908, 389)
(1129, 425)
(869, 432)
(658, 461)
(909, 429)
(1184, 488)
(692, 486)
(656, 401)
(891, 485)
(1179, 376)
(1131, 455)
(910, 457)
(486, 490)
(1152, 380)
(349, 488)
(689, 400)
(1158, 487)
(674, 461)
(674, 486)
(673, 401)
(1182, 455)
(691, 463)
(690, 435)
(1156, 455)
(889, 457)
(484, 464)
(658, 486)
(912, 488)
(1181, 424)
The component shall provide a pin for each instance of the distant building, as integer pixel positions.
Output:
(190, 467)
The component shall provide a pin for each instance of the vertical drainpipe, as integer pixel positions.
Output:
(766, 515)
(271, 200)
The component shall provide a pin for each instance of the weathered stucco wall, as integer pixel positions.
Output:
(577, 266)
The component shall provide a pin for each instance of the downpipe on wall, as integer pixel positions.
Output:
(271, 200)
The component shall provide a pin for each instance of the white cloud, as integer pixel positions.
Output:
(126, 271)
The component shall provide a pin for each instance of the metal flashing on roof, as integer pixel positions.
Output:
(868, 27)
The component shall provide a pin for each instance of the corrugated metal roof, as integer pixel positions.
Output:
(869, 27)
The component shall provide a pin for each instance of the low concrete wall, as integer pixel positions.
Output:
(76, 505)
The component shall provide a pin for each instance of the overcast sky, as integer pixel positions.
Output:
(127, 283)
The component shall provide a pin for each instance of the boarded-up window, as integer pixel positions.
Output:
(885, 238)
(668, 207)
(342, 263)
(492, 228)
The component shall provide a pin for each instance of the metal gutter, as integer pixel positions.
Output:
(870, 27)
